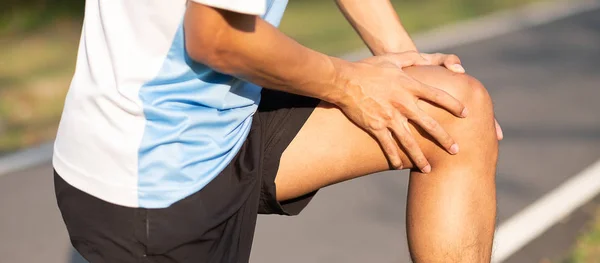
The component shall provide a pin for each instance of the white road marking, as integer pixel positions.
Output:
(493, 25)
(535, 219)
(452, 35)
(523, 227)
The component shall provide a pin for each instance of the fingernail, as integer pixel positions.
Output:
(426, 169)
(499, 133)
(458, 68)
(454, 149)
(397, 164)
(464, 112)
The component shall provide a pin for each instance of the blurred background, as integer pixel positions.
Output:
(39, 38)
(544, 79)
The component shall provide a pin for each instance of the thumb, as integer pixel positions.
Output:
(407, 59)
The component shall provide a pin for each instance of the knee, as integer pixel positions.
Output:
(475, 134)
(463, 87)
(472, 94)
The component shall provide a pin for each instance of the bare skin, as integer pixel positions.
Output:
(451, 211)
(377, 114)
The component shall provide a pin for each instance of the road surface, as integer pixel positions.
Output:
(545, 83)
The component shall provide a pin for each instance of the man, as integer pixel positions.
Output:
(168, 147)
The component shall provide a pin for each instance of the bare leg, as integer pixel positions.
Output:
(451, 211)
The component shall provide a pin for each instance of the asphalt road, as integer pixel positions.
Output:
(545, 83)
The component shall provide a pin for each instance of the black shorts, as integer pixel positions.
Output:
(215, 224)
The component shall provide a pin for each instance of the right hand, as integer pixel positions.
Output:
(381, 99)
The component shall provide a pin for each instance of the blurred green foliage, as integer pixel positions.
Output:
(318, 24)
(18, 16)
(587, 248)
(39, 38)
(26, 15)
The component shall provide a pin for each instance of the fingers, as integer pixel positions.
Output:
(412, 58)
(443, 99)
(499, 132)
(450, 61)
(390, 148)
(406, 59)
(436, 131)
(403, 134)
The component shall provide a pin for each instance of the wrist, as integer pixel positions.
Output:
(337, 92)
(403, 47)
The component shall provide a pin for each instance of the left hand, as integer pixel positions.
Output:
(452, 62)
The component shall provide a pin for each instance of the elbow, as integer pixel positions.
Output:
(210, 38)
(211, 54)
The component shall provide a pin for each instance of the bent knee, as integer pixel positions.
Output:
(475, 134)
(463, 87)
(467, 89)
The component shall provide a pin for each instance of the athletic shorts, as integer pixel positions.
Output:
(215, 224)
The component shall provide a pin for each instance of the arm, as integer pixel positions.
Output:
(380, 28)
(247, 47)
(373, 93)
(378, 25)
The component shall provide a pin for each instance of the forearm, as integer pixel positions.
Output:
(378, 25)
(252, 49)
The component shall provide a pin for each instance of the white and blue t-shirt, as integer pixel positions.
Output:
(144, 125)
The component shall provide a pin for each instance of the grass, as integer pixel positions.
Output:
(318, 24)
(38, 48)
(34, 78)
(587, 248)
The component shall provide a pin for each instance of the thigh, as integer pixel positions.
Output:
(330, 148)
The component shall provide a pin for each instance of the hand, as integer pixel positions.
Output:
(452, 62)
(381, 98)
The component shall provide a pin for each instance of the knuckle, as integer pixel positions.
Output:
(411, 114)
(381, 123)
(402, 108)
(411, 144)
(420, 161)
(437, 95)
(430, 123)
(389, 148)
(384, 142)
(376, 125)
(388, 115)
